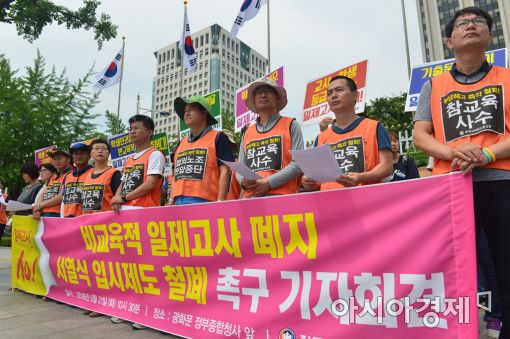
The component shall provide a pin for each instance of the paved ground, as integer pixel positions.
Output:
(24, 316)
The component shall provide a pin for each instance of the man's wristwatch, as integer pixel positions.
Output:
(124, 199)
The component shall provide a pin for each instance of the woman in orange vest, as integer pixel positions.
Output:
(3, 213)
(100, 184)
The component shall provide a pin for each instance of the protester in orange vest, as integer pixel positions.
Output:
(266, 145)
(234, 189)
(101, 183)
(52, 199)
(361, 146)
(72, 197)
(142, 175)
(199, 175)
(3, 213)
(463, 121)
(99, 186)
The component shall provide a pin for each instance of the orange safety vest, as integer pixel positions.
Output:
(268, 152)
(72, 198)
(3, 213)
(356, 151)
(97, 192)
(471, 113)
(134, 174)
(54, 188)
(196, 168)
(234, 190)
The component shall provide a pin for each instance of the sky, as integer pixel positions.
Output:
(309, 38)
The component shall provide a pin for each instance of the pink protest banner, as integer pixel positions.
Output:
(243, 115)
(384, 261)
(41, 155)
(316, 107)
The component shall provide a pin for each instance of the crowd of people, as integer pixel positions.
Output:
(363, 148)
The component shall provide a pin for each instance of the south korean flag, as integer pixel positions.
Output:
(111, 74)
(249, 9)
(189, 57)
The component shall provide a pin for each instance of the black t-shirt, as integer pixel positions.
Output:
(114, 183)
(405, 169)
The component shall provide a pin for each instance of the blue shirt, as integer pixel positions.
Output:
(383, 138)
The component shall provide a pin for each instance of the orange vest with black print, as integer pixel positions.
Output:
(477, 113)
(54, 188)
(96, 192)
(72, 198)
(356, 151)
(234, 190)
(134, 174)
(3, 213)
(196, 172)
(268, 152)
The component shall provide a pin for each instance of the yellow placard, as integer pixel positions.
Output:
(26, 274)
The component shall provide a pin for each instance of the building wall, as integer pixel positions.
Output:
(433, 16)
(223, 62)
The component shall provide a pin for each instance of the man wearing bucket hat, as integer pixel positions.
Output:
(52, 199)
(199, 175)
(265, 146)
(72, 199)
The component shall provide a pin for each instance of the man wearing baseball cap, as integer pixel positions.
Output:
(265, 146)
(199, 175)
(52, 198)
(72, 199)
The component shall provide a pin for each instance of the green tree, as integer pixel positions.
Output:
(390, 111)
(228, 122)
(114, 125)
(40, 109)
(31, 16)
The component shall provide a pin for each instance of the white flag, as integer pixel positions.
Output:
(189, 57)
(248, 10)
(111, 74)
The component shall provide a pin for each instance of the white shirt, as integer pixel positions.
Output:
(156, 162)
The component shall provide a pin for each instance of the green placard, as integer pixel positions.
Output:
(160, 141)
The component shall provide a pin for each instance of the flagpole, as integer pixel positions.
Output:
(406, 38)
(182, 42)
(120, 85)
(268, 40)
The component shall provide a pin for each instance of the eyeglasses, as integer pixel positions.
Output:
(478, 21)
(265, 90)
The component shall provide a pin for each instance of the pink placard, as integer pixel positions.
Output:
(250, 268)
(41, 155)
